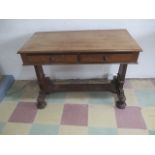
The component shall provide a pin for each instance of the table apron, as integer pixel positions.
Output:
(103, 58)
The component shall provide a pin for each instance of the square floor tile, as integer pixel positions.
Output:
(101, 116)
(130, 117)
(149, 117)
(142, 84)
(12, 97)
(102, 131)
(44, 129)
(152, 132)
(146, 97)
(50, 115)
(101, 98)
(77, 98)
(6, 109)
(25, 113)
(16, 129)
(131, 99)
(56, 98)
(75, 114)
(73, 130)
(132, 132)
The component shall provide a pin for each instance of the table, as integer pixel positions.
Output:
(81, 47)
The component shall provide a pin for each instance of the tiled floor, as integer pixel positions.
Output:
(79, 113)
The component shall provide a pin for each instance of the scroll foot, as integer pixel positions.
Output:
(41, 103)
(120, 104)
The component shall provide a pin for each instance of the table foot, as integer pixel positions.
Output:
(41, 103)
(118, 81)
(120, 104)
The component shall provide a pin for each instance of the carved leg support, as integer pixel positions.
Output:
(43, 85)
(41, 103)
(119, 83)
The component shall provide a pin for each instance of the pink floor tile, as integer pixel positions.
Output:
(75, 114)
(25, 113)
(130, 118)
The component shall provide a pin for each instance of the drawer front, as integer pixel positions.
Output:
(109, 58)
(91, 58)
(63, 59)
(38, 59)
(120, 58)
(32, 59)
(49, 59)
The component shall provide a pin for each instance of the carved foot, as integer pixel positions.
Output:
(41, 103)
(120, 104)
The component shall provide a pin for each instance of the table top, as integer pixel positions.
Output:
(117, 40)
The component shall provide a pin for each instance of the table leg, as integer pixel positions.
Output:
(41, 103)
(46, 86)
(119, 83)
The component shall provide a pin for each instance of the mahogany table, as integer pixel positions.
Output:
(81, 47)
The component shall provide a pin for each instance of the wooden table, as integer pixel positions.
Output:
(81, 47)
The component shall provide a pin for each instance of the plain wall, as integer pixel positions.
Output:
(14, 33)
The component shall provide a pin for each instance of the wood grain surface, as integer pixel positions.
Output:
(118, 40)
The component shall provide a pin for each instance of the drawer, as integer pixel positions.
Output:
(109, 58)
(49, 59)
(92, 58)
(64, 59)
(122, 58)
(38, 59)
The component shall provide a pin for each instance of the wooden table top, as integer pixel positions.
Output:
(118, 40)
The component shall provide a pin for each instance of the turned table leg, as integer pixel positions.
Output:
(42, 81)
(119, 83)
